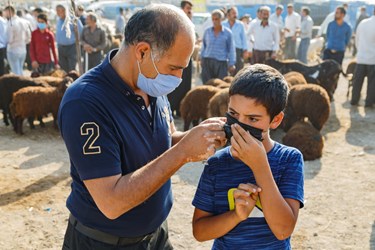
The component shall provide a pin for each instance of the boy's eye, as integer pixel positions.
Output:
(252, 119)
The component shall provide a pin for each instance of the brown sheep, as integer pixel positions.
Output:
(218, 104)
(294, 78)
(215, 82)
(194, 105)
(311, 101)
(228, 79)
(303, 136)
(37, 102)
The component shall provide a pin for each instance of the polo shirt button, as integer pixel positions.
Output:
(150, 123)
(127, 93)
(143, 107)
(138, 98)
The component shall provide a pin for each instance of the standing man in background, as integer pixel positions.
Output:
(306, 34)
(120, 22)
(239, 37)
(93, 41)
(66, 45)
(178, 94)
(338, 37)
(277, 18)
(218, 54)
(365, 40)
(292, 28)
(266, 37)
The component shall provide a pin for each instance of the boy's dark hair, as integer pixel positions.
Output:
(184, 3)
(43, 17)
(38, 10)
(264, 84)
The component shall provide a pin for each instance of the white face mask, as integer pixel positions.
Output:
(161, 85)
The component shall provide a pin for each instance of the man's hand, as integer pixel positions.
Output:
(201, 141)
(246, 148)
(245, 198)
(87, 48)
(57, 66)
(35, 65)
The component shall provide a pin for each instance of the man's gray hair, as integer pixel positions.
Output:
(92, 16)
(218, 12)
(158, 25)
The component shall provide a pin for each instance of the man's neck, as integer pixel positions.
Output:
(340, 22)
(217, 28)
(232, 22)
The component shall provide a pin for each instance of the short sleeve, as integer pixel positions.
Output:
(292, 180)
(90, 140)
(204, 196)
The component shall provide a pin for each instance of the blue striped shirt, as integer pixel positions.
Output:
(223, 172)
(238, 32)
(220, 47)
(61, 36)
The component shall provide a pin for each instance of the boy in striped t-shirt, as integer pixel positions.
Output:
(250, 193)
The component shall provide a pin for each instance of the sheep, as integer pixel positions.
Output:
(194, 105)
(294, 78)
(228, 79)
(10, 84)
(303, 136)
(311, 101)
(215, 82)
(54, 80)
(37, 102)
(218, 104)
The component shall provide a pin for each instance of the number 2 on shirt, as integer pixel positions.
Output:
(92, 130)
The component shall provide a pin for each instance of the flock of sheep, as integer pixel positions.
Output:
(306, 113)
(29, 98)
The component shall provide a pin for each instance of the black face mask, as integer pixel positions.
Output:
(255, 132)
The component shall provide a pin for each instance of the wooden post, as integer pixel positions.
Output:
(76, 34)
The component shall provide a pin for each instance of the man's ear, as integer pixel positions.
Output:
(277, 120)
(141, 50)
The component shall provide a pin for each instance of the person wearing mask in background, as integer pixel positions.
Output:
(365, 40)
(93, 41)
(65, 43)
(120, 22)
(218, 54)
(266, 37)
(239, 37)
(179, 93)
(338, 37)
(42, 42)
(18, 35)
(306, 34)
(3, 44)
(292, 28)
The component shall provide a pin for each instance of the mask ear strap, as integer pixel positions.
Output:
(152, 59)
(139, 67)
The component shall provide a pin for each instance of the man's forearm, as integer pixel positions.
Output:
(177, 136)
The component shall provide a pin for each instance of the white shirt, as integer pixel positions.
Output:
(33, 22)
(264, 38)
(278, 20)
(292, 22)
(324, 25)
(18, 35)
(365, 41)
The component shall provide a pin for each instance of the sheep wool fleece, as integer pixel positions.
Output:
(108, 130)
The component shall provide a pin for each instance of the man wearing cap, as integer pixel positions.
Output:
(292, 28)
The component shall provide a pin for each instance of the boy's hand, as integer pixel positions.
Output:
(245, 198)
(246, 148)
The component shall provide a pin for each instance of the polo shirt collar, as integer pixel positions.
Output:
(115, 80)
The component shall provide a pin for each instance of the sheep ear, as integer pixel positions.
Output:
(277, 120)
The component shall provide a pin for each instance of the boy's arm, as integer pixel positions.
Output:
(207, 226)
(281, 214)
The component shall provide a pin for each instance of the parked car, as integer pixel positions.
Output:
(201, 21)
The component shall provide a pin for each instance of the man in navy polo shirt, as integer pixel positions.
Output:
(123, 146)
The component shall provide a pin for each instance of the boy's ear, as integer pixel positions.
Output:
(277, 120)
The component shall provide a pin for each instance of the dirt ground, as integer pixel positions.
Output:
(339, 188)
